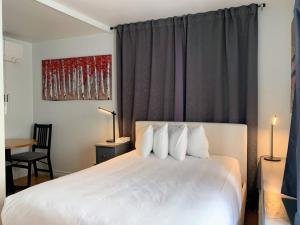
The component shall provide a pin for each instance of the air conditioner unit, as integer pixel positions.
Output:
(13, 52)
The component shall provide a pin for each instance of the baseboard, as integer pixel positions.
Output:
(19, 173)
(59, 173)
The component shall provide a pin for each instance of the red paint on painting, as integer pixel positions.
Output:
(81, 78)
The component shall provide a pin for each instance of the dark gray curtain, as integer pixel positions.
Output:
(291, 180)
(200, 67)
(150, 72)
(289, 184)
(221, 72)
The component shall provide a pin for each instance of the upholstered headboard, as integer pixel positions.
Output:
(224, 139)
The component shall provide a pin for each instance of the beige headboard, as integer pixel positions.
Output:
(224, 139)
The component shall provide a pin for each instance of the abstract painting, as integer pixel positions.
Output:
(80, 78)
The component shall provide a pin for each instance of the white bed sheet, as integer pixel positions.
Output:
(131, 190)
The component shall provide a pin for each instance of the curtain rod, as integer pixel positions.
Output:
(261, 5)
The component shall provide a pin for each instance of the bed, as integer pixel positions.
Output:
(132, 190)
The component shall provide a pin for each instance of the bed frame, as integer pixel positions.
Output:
(224, 139)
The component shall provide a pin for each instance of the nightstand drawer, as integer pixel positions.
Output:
(106, 151)
(104, 154)
(103, 157)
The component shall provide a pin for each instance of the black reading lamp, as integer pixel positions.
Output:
(271, 157)
(113, 114)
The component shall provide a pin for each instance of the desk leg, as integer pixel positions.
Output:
(10, 189)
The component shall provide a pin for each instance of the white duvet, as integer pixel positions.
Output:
(131, 190)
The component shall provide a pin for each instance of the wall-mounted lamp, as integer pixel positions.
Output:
(271, 157)
(113, 114)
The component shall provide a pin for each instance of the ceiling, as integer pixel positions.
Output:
(114, 12)
(32, 21)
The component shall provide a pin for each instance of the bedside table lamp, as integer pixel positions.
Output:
(271, 157)
(113, 114)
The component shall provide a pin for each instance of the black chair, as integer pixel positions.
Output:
(42, 134)
(9, 179)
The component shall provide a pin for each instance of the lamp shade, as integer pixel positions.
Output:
(106, 111)
(113, 115)
(274, 120)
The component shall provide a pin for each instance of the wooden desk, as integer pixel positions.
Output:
(11, 144)
(14, 143)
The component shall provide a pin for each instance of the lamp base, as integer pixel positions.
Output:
(110, 141)
(272, 158)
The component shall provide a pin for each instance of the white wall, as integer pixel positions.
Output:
(18, 84)
(2, 154)
(274, 71)
(77, 125)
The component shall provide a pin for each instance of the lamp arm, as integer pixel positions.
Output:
(114, 130)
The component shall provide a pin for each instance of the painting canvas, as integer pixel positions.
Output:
(80, 78)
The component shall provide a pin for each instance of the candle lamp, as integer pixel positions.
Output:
(271, 157)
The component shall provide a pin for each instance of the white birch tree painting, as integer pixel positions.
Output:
(81, 78)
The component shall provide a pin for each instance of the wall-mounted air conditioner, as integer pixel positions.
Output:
(13, 52)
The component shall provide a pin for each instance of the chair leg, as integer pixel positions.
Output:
(10, 189)
(35, 169)
(50, 168)
(29, 175)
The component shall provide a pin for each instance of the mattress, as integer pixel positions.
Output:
(131, 190)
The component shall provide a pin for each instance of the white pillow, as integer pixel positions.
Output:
(144, 140)
(197, 142)
(178, 142)
(160, 141)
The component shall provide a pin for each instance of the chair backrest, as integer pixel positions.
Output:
(42, 134)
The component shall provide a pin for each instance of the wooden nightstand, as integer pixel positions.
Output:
(271, 208)
(106, 151)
